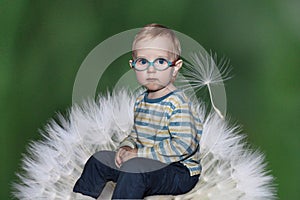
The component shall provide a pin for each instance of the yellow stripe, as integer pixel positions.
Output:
(159, 156)
(180, 148)
(169, 149)
(139, 98)
(146, 130)
(199, 125)
(186, 116)
(183, 130)
(144, 118)
(157, 107)
(147, 143)
(174, 100)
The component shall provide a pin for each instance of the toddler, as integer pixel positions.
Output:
(161, 154)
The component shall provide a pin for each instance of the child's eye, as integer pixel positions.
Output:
(161, 61)
(142, 61)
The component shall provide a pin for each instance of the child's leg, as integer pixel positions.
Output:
(132, 182)
(174, 179)
(99, 169)
(142, 177)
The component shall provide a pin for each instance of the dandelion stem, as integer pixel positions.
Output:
(212, 102)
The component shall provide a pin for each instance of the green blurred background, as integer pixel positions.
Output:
(43, 43)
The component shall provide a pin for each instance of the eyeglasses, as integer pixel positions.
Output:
(160, 64)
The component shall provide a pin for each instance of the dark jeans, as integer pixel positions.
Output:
(137, 178)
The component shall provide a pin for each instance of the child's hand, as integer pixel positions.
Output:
(118, 158)
(127, 155)
(123, 154)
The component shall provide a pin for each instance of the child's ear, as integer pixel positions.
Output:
(177, 66)
(130, 64)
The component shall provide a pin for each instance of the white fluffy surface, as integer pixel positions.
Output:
(51, 166)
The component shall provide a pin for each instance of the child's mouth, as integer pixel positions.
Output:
(151, 79)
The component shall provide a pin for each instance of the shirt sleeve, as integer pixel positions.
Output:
(183, 140)
(130, 140)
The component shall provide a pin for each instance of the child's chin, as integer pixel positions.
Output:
(153, 87)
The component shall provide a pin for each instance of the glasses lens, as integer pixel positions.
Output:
(141, 64)
(161, 64)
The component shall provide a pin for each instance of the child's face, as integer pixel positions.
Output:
(152, 79)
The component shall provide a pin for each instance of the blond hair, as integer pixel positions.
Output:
(151, 31)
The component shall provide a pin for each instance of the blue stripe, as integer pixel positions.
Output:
(193, 169)
(186, 135)
(191, 161)
(185, 111)
(154, 154)
(196, 119)
(167, 159)
(158, 138)
(175, 149)
(180, 97)
(152, 137)
(181, 124)
(196, 141)
(199, 132)
(152, 112)
(187, 124)
(185, 146)
(171, 105)
(147, 136)
(140, 123)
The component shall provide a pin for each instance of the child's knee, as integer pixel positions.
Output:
(104, 155)
(131, 166)
(141, 165)
(106, 158)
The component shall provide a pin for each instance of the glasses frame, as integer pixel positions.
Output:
(170, 64)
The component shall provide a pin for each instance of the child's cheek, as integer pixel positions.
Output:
(166, 77)
(141, 77)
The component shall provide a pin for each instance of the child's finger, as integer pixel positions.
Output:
(117, 163)
(127, 155)
(122, 152)
(118, 159)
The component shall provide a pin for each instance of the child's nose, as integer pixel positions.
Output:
(151, 69)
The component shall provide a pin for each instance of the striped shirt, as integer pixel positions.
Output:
(166, 129)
